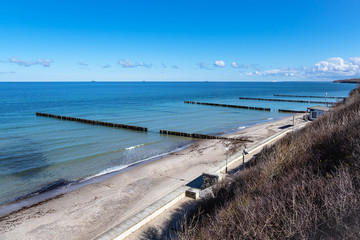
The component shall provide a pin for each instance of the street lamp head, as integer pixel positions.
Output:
(245, 152)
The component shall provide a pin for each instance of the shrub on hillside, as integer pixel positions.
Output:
(306, 186)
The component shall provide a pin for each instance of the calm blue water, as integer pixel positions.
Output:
(38, 151)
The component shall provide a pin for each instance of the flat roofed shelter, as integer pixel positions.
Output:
(317, 111)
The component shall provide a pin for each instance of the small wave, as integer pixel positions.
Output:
(242, 127)
(106, 171)
(133, 147)
(270, 118)
(121, 167)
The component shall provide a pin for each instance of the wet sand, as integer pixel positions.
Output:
(87, 212)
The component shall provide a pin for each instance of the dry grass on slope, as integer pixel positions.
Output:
(306, 186)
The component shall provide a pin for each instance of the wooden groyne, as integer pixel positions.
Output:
(107, 124)
(202, 136)
(229, 106)
(299, 96)
(245, 107)
(290, 111)
(284, 100)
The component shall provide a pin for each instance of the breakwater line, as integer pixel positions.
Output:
(229, 106)
(284, 100)
(245, 107)
(299, 96)
(290, 111)
(93, 122)
(202, 136)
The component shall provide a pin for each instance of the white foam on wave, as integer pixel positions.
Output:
(121, 167)
(242, 127)
(106, 171)
(270, 118)
(133, 147)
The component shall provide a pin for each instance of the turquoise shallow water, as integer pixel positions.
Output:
(38, 153)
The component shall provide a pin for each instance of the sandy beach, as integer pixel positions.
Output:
(87, 212)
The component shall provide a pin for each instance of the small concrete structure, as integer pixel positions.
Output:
(317, 111)
(192, 193)
(210, 179)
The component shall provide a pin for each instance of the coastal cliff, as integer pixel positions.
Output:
(305, 186)
(352, 80)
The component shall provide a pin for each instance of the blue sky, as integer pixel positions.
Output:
(179, 40)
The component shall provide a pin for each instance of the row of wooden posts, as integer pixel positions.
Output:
(243, 107)
(299, 96)
(194, 135)
(283, 100)
(108, 124)
(166, 132)
(230, 106)
(116, 125)
(202, 136)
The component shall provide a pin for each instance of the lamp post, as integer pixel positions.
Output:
(227, 153)
(244, 153)
(293, 120)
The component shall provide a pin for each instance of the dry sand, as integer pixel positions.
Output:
(89, 211)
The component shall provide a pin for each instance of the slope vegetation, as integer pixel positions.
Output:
(306, 186)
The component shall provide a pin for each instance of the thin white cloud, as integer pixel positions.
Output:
(126, 63)
(285, 72)
(82, 64)
(336, 67)
(106, 66)
(203, 65)
(142, 64)
(219, 63)
(130, 64)
(7, 72)
(355, 60)
(236, 65)
(174, 67)
(43, 62)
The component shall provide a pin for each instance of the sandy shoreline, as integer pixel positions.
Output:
(89, 211)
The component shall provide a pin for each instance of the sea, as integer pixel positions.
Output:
(42, 157)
